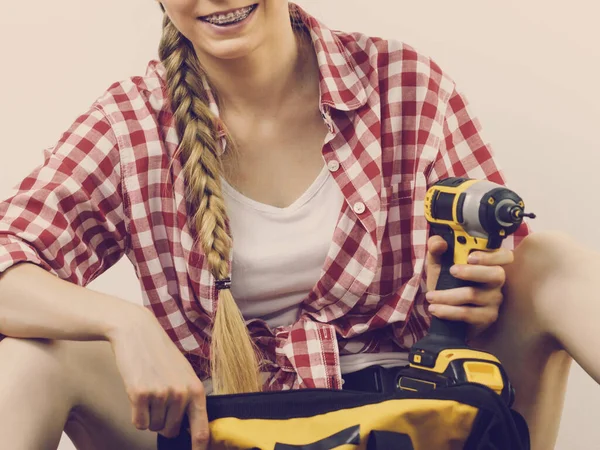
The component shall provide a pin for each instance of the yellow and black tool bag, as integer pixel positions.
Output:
(464, 416)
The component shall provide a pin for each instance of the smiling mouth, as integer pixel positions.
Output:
(230, 18)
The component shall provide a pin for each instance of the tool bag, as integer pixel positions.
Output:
(466, 416)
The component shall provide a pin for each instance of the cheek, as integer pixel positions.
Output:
(275, 6)
(273, 13)
(183, 14)
(180, 5)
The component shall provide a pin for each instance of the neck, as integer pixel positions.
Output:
(263, 80)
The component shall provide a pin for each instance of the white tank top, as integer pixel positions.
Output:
(278, 255)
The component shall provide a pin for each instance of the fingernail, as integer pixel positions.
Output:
(432, 308)
(473, 259)
(429, 295)
(454, 270)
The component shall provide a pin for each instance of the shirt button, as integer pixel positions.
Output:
(359, 207)
(333, 165)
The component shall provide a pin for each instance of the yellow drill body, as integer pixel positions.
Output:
(470, 215)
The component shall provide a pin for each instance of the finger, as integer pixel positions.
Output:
(437, 245)
(500, 257)
(492, 276)
(158, 410)
(175, 413)
(467, 295)
(140, 414)
(196, 412)
(473, 315)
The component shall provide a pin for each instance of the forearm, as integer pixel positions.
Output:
(37, 304)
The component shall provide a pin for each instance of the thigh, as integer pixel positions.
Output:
(101, 415)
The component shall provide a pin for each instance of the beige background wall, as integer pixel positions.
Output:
(530, 68)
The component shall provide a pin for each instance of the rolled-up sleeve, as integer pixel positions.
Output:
(67, 216)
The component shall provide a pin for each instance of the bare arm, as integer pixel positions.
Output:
(36, 304)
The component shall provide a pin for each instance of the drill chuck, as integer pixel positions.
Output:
(512, 214)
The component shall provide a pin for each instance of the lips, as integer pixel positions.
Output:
(230, 16)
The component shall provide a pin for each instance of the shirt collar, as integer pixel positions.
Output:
(340, 85)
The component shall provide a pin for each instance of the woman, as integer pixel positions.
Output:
(313, 149)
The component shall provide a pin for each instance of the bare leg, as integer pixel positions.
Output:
(48, 386)
(548, 316)
(34, 399)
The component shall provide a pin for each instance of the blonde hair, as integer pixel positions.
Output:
(234, 364)
(233, 357)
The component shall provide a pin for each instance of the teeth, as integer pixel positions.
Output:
(235, 16)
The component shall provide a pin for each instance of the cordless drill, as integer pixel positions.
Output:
(470, 215)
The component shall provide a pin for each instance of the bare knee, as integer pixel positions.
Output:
(540, 260)
(38, 367)
(61, 366)
(42, 355)
(81, 388)
(548, 254)
(520, 323)
(548, 277)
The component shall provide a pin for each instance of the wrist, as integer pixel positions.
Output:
(126, 317)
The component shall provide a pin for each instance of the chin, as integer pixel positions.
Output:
(228, 50)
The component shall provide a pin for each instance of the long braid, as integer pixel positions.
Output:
(234, 364)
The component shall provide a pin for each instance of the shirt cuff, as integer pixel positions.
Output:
(14, 250)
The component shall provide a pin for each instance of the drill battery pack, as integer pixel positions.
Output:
(466, 416)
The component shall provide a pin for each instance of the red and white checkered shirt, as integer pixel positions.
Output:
(107, 189)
